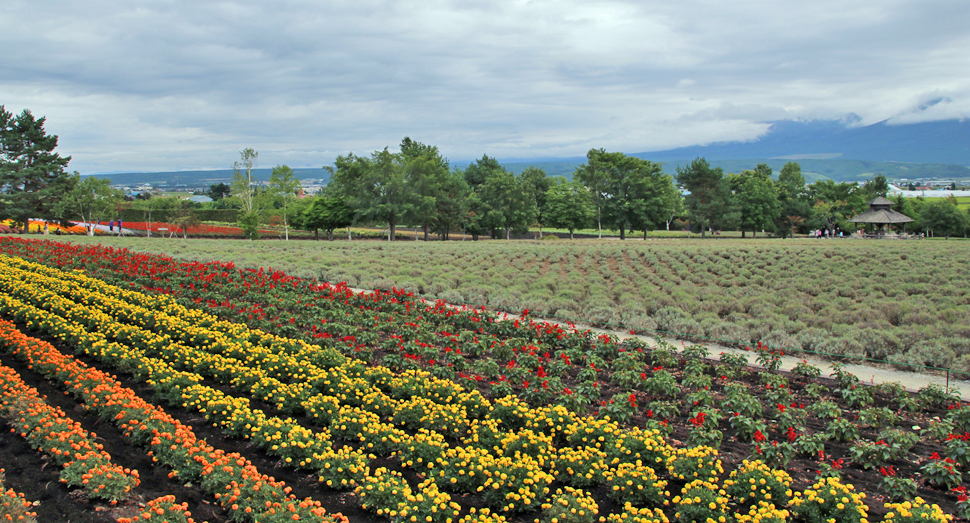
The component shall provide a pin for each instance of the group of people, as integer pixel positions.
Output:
(825, 233)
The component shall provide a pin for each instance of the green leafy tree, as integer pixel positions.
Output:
(943, 218)
(757, 200)
(508, 202)
(283, 189)
(627, 192)
(451, 204)
(594, 176)
(795, 208)
(476, 173)
(836, 203)
(182, 216)
(245, 194)
(376, 188)
(90, 200)
(218, 191)
(32, 176)
(568, 205)
(429, 176)
(877, 186)
(476, 209)
(904, 205)
(327, 212)
(709, 203)
(535, 178)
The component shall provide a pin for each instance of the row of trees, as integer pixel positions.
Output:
(416, 186)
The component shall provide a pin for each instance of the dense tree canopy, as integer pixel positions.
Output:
(568, 205)
(32, 175)
(756, 199)
(710, 203)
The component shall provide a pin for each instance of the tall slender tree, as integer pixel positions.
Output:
(283, 189)
(244, 192)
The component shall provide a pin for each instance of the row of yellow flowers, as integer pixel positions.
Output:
(525, 437)
(84, 463)
(245, 493)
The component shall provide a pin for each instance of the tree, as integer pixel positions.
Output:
(376, 188)
(756, 198)
(476, 209)
(90, 200)
(591, 174)
(568, 205)
(508, 202)
(183, 216)
(427, 172)
(535, 178)
(283, 188)
(795, 208)
(218, 191)
(835, 203)
(943, 217)
(451, 202)
(627, 192)
(32, 176)
(244, 191)
(327, 212)
(709, 203)
(877, 186)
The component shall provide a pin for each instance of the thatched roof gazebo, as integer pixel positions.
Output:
(881, 214)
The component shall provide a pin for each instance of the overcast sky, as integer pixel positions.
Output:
(174, 84)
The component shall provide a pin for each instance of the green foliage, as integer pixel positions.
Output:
(871, 454)
(249, 223)
(942, 472)
(90, 200)
(568, 205)
(32, 176)
(756, 198)
(709, 204)
(842, 430)
(628, 193)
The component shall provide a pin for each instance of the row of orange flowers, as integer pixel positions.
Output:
(84, 462)
(244, 492)
(14, 506)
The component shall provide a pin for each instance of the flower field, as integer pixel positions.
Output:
(897, 301)
(203, 376)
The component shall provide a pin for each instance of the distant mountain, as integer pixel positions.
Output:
(837, 150)
(173, 179)
(941, 142)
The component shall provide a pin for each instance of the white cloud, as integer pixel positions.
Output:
(173, 84)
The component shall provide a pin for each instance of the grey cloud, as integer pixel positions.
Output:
(177, 84)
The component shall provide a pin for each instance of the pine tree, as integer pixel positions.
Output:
(32, 175)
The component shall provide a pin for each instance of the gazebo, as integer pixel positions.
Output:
(881, 214)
